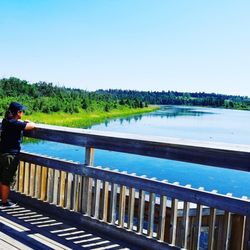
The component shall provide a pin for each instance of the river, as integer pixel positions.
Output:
(209, 124)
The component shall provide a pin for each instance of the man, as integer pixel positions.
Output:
(11, 138)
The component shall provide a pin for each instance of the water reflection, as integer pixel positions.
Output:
(164, 112)
(174, 111)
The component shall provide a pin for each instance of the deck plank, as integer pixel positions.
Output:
(20, 230)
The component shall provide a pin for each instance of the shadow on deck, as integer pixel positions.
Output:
(24, 227)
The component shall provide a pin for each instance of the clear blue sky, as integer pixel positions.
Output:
(183, 45)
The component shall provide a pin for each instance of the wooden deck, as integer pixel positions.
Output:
(24, 227)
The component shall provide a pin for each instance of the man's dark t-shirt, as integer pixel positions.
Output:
(11, 135)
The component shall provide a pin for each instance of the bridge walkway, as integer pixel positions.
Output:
(24, 227)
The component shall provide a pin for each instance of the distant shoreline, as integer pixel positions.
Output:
(85, 119)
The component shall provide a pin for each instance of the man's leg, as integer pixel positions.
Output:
(5, 190)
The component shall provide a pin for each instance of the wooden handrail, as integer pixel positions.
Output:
(231, 156)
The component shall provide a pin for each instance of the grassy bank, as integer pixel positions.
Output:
(84, 119)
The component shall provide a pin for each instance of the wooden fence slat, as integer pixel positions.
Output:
(162, 218)
(131, 208)
(21, 177)
(105, 199)
(122, 203)
(62, 189)
(55, 199)
(50, 185)
(44, 183)
(32, 180)
(173, 220)
(113, 201)
(197, 227)
(185, 224)
(74, 193)
(26, 178)
(97, 198)
(38, 181)
(141, 209)
(89, 190)
(69, 181)
(227, 229)
(77, 188)
(151, 215)
(212, 221)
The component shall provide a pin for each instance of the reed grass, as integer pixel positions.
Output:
(84, 119)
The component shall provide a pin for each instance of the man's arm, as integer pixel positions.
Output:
(29, 125)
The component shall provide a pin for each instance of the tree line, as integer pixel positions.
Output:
(182, 98)
(48, 98)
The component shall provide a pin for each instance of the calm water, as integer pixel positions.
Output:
(171, 121)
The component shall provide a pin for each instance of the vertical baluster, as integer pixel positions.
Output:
(131, 208)
(162, 218)
(197, 231)
(74, 193)
(244, 227)
(227, 229)
(81, 189)
(44, 184)
(84, 194)
(55, 199)
(69, 179)
(89, 195)
(122, 203)
(173, 220)
(105, 193)
(38, 182)
(185, 224)
(26, 178)
(50, 182)
(227, 226)
(113, 201)
(62, 189)
(77, 188)
(32, 180)
(151, 214)
(212, 221)
(21, 177)
(244, 219)
(97, 198)
(89, 161)
(141, 211)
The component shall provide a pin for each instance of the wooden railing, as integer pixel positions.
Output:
(155, 213)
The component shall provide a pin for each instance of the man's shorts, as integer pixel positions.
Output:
(8, 168)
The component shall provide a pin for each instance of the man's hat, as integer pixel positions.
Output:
(15, 107)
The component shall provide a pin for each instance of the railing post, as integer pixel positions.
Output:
(89, 156)
(88, 182)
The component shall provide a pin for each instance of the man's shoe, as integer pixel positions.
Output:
(7, 204)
